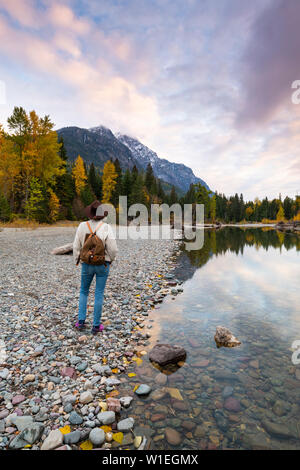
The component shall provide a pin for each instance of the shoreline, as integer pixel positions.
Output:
(55, 376)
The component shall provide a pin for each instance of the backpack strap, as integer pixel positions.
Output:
(88, 224)
(97, 228)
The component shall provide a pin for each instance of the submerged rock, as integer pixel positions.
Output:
(164, 354)
(224, 337)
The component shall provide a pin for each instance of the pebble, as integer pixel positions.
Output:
(125, 424)
(143, 389)
(97, 436)
(86, 397)
(54, 439)
(72, 437)
(173, 437)
(106, 417)
(75, 418)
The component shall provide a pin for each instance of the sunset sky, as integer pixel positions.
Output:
(202, 82)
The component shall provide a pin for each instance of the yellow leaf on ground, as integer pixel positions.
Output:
(135, 388)
(131, 374)
(118, 437)
(65, 430)
(113, 393)
(138, 360)
(103, 405)
(105, 428)
(115, 371)
(175, 393)
(27, 446)
(86, 445)
(104, 361)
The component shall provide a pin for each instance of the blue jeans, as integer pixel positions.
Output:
(88, 271)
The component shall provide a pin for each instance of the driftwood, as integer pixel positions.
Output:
(63, 250)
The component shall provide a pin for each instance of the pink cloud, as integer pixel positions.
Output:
(61, 16)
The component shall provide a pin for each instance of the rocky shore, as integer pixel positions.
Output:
(60, 388)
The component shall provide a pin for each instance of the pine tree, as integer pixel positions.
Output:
(173, 196)
(95, 181)
(126, 183)
(160, 192)
(149, 178)
(213, 208)
(108, 181)
(87, 196)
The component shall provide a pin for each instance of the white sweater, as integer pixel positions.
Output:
(105, 233)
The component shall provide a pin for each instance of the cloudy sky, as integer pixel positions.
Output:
(202, 82)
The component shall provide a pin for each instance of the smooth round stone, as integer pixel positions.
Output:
(90, 424)
(106, 417)
(72, 437)
(68, 408)
(97, 436)
(173, 437)
(227, 392)
(75, 418)
(125, 424)
(232, 404)
(143, 389)
(82, 366)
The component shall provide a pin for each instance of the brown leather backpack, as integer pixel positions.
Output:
(93, 250)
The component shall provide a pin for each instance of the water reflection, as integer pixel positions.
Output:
(234, 240)
(240, 398)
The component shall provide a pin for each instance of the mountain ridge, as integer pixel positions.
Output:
(99, 144)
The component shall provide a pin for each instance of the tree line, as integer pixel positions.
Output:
(38, 182)
(235, 209)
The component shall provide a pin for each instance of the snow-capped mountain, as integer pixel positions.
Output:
(176, 174)
(99, 144)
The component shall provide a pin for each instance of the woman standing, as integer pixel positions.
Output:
(97, 227)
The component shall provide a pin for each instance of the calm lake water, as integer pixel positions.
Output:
(241, 398)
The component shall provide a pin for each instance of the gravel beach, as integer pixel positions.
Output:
(57, 384)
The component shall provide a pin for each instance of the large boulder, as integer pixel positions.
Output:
(164, 354)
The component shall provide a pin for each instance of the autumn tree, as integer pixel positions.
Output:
(36, 207)
(33, 151)
(54, 206)
(109, 179)
(280, 214)
(79, 175)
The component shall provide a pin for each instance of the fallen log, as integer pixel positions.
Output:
(63, 250)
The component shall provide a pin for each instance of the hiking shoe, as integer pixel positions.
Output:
(80, 325)
(97, 329)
